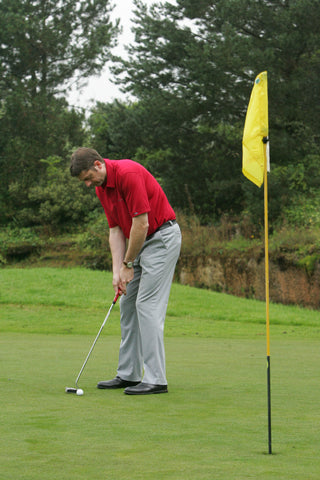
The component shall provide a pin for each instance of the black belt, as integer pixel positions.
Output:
(163, 226)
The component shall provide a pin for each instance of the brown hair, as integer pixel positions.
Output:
(82, 160)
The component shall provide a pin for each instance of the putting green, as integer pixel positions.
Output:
(211, 424)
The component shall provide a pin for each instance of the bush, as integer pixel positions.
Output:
(94, 242)
(18, 243)
(304, 211)
(59, 202)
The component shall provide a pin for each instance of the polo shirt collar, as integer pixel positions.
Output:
(110, 181)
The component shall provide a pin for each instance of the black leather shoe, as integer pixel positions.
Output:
(146, 389)
(116, 383)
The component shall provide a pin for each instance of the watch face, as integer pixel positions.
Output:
(129, 264)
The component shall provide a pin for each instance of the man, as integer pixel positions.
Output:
(138, 210)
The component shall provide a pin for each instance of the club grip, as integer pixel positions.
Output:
(116, 297)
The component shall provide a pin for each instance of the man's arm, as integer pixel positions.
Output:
(121, 274)
(117, 242)
(137, 237)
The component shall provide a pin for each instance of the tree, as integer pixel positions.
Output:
(116, 129)
(45, 44)
(192, 67)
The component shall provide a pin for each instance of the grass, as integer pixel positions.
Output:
(213, 423)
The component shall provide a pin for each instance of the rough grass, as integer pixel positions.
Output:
(211, 425)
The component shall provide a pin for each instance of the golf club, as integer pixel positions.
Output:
(79, 391)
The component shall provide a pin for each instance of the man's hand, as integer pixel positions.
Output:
(121, 274)
(126, 275)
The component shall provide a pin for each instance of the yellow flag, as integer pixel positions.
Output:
(256, 130)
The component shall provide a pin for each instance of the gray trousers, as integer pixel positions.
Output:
(143, 309)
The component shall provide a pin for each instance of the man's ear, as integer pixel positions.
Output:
(97, 164)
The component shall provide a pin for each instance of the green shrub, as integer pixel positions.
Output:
(94, 242)
(59, 202)
(18, 242)
(309, 263)
(304, 210)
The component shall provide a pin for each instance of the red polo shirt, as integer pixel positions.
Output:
(129, 191)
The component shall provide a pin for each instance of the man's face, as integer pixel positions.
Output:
(95, 176)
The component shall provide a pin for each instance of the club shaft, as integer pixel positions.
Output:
(98, 335)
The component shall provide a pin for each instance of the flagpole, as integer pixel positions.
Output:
(266, 243)
(255, 166)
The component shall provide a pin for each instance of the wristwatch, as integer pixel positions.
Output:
(128, 264)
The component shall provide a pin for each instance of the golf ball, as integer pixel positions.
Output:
(79, 391)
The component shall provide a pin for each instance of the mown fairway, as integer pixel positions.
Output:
(213, 423)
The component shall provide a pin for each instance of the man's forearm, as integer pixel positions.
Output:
(137, 237)
(117, 243)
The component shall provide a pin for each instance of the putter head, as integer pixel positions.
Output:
(70, 390)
